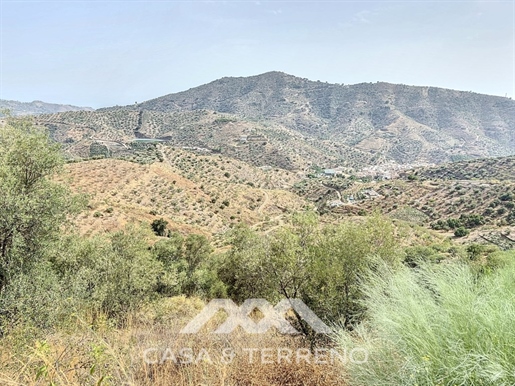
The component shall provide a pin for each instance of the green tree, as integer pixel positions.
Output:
(346, 254)
(159, 226)
(33, 206)
(272, 266)
(320, 265)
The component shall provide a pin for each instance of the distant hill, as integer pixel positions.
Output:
(258, 143)
(37, 107)
(289, 122)
(398, 122)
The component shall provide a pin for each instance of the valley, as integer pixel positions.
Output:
(371, 203)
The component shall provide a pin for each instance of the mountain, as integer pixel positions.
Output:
(402, 123)
(280, 120)
(256, 141)
(37, 107)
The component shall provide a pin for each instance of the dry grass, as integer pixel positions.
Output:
(98, 354)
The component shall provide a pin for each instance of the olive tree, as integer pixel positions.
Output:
(33, 206)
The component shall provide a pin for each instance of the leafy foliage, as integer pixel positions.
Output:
(33, 207)
(159, 226)
(322, 266)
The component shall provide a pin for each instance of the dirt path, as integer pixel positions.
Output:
(265, 201)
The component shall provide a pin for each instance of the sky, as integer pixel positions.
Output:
(104, 53)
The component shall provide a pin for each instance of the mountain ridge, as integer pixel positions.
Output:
(17, 108)
(354, 125)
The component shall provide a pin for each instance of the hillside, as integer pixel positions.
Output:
(478, 194)
(194, 193)
(288, 122)
(37, 107)
(396, 122)
(502, 169)
(258, 143)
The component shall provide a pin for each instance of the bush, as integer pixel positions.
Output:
(188, 266)
(159, 226)
(322, 266)
(111, 274)
(420, 254)
(37, 298)
(461, 232)
(475, 251)
(506, 197)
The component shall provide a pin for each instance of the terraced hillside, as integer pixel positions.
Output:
(203, 194)
(502, 169)
(260, 144)
(477, 195)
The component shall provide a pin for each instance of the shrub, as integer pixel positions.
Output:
(159, 226)
(454, 223)
(461, 232)
(472, 220)
(501, 211)
(420, 254)
(36, 298)
(475, 251)
(112, 274)
(321, 266)
(189, 268)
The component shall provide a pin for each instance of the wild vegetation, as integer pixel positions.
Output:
(438, 325)
(36, 107)
(103, 262)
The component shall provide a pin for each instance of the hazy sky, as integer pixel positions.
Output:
(103, 53)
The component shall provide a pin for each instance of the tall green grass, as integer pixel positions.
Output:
(440, 325)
